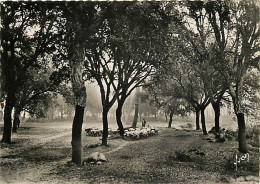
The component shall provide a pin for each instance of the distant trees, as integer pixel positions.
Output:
(176, 81)
(94, 105)
(32, 94)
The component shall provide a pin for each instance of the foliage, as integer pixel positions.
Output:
(192, 155)
(33, 30)
(252, 131)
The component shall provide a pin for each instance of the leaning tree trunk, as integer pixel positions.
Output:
(216, 108)
(23, 116)
(80, 94)
(170, 120)
(76, 134)
(105, 126)
(203, 123)
(8, 119)
(118, 117)
(135, 116)
(241, 133)
(197, 119)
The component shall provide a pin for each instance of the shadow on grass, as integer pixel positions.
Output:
(38, 154)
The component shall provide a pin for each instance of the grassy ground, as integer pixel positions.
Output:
(41, 154)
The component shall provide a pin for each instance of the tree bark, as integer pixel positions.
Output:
(8, 73)
(76, 135)
(203, 123)
(197, 119)
(170, 119)
(8, 119)
(23, 116)
(105, 126)
(118, 117)
(77, 56)
(135, 116)
(216, 108)
(61, 114)
(241, 133)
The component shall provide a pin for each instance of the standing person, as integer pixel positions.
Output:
(143, 123)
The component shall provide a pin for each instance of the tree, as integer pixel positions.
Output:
(103, 70)
(138, 33)
(33, 92)
(243, 57)
(178, 80)
(136, 107)
(80, 17)
(120, 62)
(228, 35)
(22, 47)
(197, 35)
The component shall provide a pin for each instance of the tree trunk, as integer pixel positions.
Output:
(24, 115)
(8, 119)
(216, 108)
(135, 116)
(61, 114)
(203, 123)
(166, 117)
(76, 60)
(118, 117)
(76, 135)
(105, 127)
(16, 121)
(241, 133)
(170, 120)
(197, 119)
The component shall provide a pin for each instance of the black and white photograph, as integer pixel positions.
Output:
(126, 92)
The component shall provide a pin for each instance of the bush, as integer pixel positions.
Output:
(230, 134)
(189, 125)
(252, 131)
(189, 155)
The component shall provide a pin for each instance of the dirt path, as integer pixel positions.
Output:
(22, 161)
(32, 141)
(119, 147)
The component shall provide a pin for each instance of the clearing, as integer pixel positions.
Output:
(41, 153)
